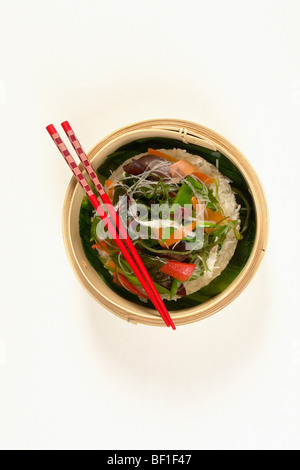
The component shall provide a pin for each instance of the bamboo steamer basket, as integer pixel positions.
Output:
(183, 131)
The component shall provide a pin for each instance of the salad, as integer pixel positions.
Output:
(182, 216)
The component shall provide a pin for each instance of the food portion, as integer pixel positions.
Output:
(181, 213)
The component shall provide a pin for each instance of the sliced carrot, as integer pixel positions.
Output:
(158, 233)
(101, 245)
(208, 214)
(213, 215)
(96, 245)
(111, 265)
(110, 191)
(202, 177)
(157, 153)
(195, 203)
(179, 234)
(182, 168)
(199, 207)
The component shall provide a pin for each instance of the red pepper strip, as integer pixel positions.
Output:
(178, 270)
(130, 287)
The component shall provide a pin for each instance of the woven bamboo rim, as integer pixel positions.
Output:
(187, 132)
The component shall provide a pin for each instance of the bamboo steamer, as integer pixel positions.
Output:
(188, 132)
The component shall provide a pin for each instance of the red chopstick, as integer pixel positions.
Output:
(112, 212)
(149, 287)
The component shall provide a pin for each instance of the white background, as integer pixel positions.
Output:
(72, 375)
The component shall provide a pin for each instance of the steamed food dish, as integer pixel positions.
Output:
(182, 215)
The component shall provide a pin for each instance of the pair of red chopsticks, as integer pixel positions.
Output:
(116, 229)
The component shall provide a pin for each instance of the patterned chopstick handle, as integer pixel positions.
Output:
(81, 154)
(76, 171)
(92, 174)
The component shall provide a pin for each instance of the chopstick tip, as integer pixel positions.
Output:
(66, 126)
(51, 129)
